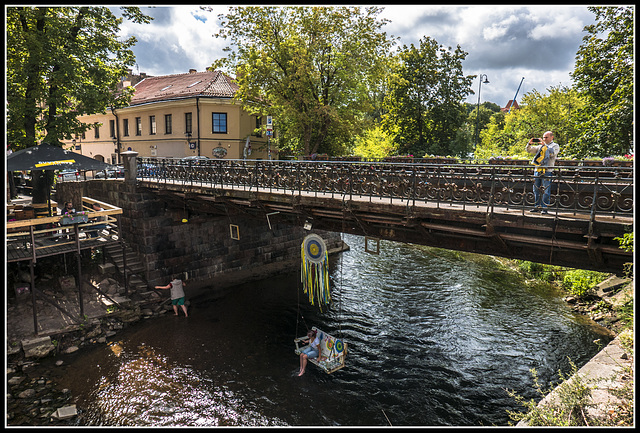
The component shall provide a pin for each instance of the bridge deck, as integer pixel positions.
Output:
(563, 237)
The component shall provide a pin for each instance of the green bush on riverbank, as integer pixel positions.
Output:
(576, 282)
(580, 282)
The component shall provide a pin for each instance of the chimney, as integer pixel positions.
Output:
(192, 71)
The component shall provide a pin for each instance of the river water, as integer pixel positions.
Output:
(434, 339)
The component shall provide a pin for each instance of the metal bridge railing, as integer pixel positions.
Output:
(575, 189)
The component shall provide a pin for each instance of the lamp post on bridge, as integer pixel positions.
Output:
(477, 134)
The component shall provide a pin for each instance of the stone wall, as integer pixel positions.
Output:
(202, 246)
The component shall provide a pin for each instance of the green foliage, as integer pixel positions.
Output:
(62, 62)
(626, 242)
(625, 312)
(573, 396)
(580, 282)
(374, 143)
(423, 106)
(604, 76)
(539, 271)
(507, 134)
(314, 69)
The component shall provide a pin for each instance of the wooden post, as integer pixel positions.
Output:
(79, 258)
(33, 298)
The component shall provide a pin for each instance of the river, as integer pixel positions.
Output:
(434, 339)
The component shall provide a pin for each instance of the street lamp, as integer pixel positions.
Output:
(486, 81)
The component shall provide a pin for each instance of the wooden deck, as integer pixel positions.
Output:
(30, 239)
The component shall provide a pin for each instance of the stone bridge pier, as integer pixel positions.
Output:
(214, 250)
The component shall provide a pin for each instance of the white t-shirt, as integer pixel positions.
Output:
(316, 343)
(176, 289)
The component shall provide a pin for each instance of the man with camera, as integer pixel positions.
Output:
(545, 151)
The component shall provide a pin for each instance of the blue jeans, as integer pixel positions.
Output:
(542, 189)
(310, 352)
(98, 229)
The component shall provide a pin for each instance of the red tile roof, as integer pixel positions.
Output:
(511, 104)
(213, 84)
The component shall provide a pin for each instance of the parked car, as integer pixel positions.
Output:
(116, 172)
(67, 175)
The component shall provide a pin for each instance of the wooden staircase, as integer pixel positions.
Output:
(135, 269)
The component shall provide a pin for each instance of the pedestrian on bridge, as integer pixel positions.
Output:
(177, 293)
(545, 159)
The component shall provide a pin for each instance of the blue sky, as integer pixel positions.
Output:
(505, 42)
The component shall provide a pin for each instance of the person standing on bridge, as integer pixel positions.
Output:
(177, 294)
(544, 160)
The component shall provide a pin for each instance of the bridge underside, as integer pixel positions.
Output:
(564, 239)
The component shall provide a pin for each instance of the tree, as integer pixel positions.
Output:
(507, 134)
(604, 76)
(474, 125)
(424, 103)
(312, 68)
(62, 62)
(374, 143)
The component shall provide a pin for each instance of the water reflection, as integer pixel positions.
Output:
(150, 390)
(434, 339)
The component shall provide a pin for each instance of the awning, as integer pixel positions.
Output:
(48, 157)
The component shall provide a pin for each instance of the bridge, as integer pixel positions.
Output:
(479, 208)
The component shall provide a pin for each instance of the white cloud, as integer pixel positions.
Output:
(506, 42)
(178, 39)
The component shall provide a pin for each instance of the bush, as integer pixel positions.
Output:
(573, 396)
(538, 271)
(580, 282)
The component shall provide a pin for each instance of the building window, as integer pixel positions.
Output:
(167, 124)
(96, 131)
(219, 123)
(188, 126)
(125, 127)
(138, 125)
(258, 132)
(152, 125)
(112, 128)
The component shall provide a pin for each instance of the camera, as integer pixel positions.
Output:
(535, 140)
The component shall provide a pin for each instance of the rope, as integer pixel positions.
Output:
(341, 280)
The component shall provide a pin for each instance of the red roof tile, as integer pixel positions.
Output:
(511, 104)
(212, 84)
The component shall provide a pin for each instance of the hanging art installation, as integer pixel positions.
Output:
(314, 270)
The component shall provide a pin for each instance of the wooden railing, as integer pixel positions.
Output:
(44, 236)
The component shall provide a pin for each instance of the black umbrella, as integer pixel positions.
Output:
(48, 157)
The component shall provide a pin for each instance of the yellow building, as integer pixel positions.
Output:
(191, 114)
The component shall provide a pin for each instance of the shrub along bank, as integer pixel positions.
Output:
(588, 399)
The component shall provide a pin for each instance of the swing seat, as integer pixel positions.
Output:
(333, 351)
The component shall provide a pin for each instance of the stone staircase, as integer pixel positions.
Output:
(135, 269)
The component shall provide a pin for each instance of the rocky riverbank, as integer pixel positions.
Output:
(33, 396)
(606, 305)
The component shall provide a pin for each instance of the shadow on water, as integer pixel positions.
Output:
(433, 339)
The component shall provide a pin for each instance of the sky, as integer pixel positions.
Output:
(506, 42)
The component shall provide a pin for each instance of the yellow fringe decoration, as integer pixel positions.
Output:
(315, 280)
